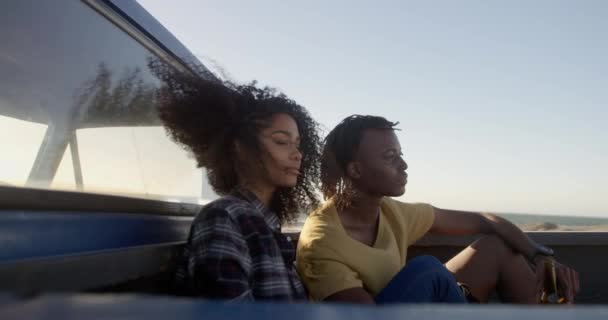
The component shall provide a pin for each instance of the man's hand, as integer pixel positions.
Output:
(567, 279)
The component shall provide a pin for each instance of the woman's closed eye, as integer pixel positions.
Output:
(287, 143)
(282, 142)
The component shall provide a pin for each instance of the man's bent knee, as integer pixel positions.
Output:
(429, 264)
(492, 243)
(425, 260)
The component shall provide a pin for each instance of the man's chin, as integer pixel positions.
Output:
(399, 192)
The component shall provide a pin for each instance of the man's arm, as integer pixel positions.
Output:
(453, 222)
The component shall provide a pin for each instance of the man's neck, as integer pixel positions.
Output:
(364, 209)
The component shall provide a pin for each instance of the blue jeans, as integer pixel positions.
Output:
(423, 279)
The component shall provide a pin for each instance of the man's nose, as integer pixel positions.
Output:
(403, 165)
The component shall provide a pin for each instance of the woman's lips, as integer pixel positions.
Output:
(293, 171)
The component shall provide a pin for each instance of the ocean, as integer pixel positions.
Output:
(528, 219)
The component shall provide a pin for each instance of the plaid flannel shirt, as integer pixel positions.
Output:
(236, 250)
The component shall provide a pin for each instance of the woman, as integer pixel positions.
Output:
(354, 248)
(261, 151)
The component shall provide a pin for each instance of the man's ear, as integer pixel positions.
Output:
(353, 170)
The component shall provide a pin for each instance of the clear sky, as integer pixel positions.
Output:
(502, 104)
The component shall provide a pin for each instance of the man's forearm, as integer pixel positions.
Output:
(512, 235)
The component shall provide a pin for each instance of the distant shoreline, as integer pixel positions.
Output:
(556, 223)
(549, 226)
(546, 226)
(528, 222)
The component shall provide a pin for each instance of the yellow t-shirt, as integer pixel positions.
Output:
(329, 260)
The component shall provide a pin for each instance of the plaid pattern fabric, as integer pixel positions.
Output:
(236, 251)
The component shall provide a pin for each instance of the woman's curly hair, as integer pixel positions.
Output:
(340, 147)
(207, 116)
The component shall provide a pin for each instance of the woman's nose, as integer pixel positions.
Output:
(297, 155)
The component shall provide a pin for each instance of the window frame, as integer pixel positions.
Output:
(56, 140)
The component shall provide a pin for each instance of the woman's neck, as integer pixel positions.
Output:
(263, 193)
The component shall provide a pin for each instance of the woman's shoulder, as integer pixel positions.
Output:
(229, 207)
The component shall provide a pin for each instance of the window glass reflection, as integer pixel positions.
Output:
(77, 108)
(65, 177)
(137, 160)
(20, 141)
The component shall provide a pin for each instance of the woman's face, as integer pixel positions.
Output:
(379, 166)
(281, 156)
